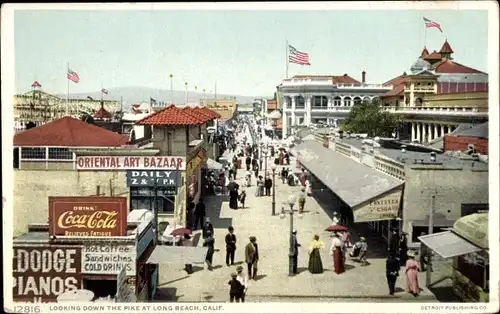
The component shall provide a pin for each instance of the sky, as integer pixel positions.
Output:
(243, 51)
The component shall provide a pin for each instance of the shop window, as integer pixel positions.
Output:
(60, 153)
(34, 153)
(473, 266)
(144, 197)
(101, 288)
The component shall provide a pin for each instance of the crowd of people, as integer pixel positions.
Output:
(249, 157)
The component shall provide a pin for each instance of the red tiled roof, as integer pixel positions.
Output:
(397, 86)
(102, 114)
(424, 53)
(446, 48)
(449, 66)
(433, 56)
(173, 115)
(69, 132)
(210, 112)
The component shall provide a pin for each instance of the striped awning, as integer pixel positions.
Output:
(163, 254)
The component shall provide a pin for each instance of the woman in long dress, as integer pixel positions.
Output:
(233, 199)
(411, 273)
(315, 264)
(337, 254)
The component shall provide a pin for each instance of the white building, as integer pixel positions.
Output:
(311, 99)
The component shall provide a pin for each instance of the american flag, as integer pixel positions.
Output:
(298, 57)
(429, 24)
(104, 91)
(73, 76)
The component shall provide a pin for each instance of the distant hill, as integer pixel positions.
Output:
(136, 95)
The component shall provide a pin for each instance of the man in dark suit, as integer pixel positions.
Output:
(295, 255)
(199, 213)
(230, 246)
(391, 272)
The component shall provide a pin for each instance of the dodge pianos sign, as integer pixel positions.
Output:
(88, 216)
(130, 163)
(41, 273)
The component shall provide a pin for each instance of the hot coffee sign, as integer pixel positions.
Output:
(88, 216)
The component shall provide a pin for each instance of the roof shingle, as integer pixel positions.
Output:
(449, 66)
(69, 132)
(446, 48)
(102, 114)
(173, 115)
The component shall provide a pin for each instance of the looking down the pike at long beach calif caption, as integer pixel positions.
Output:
(187, 158)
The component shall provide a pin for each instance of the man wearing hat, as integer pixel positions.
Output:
(295, 252)
(243, 279)
(207, 227)
(252, 257)
(236, 289)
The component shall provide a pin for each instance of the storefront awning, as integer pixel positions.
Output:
(177, 255)
(373, 194)
(447, 244)
(213, 165)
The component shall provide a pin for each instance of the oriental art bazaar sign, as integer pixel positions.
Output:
(384, 207)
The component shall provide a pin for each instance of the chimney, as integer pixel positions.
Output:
(363, 77)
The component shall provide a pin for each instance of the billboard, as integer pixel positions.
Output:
(108, 259)
(384, 207)
(130, 163)
(153, 178)
(41, 273)
(90, 216)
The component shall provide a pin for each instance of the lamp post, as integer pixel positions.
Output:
(292, 199)
(273, 168)
(265, 162)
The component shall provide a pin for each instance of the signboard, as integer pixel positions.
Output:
(385, 207)
(91, 216)
(108, 259)
(144, 239)
(152, 178)
(123, 291)
(195, 162)
(41, 273)
(130, 163)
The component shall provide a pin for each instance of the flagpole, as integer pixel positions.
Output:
(102, 93)
(67, 94)
(425, 37)
(287, 48)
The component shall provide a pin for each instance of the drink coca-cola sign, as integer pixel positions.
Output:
(88, 216)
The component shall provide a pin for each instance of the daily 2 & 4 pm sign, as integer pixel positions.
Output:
(130, 163)
(88, 216)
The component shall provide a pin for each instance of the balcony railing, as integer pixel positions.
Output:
(363, 86)
(456, 111)
(329, 82)
(429, 89)
(325, 109)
